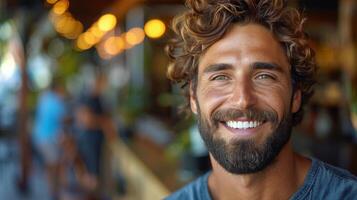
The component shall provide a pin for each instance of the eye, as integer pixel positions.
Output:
(265, 76)
(220, 78)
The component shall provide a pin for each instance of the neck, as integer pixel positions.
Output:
(288, 171)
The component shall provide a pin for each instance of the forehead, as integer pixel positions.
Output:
(245, 44)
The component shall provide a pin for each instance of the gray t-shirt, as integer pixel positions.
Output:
(323, 181)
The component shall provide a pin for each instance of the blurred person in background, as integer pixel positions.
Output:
(51, 112)
(248, 71)
(94, 125)
(75, 180)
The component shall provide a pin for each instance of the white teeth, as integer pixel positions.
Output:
(243, 124)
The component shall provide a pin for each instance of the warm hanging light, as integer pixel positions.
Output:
(154, 28)
(61, 7)
(135, 36)
(94, 29)
(51, 1)
(107, 22)
(76, 31)
(81, 43)
(89, 38)
(114, 45)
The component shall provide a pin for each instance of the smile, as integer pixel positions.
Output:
(243, 124)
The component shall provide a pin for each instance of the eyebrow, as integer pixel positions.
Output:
(217, 67)
(267, 65)
(254, 66)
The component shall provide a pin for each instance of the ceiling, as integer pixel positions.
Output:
(88, 11)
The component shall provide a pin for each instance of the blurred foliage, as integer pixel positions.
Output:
(170, 99)
(133, 104)
(69, 62)
(181, 144)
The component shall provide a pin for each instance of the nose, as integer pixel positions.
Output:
(243, 94)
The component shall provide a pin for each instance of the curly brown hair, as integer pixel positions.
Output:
(206, 21)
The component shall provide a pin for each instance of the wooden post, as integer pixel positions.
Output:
(25, 25)
(345, 20)
(18, 50)
(25, 151)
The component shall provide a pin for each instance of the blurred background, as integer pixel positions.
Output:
(86, 110)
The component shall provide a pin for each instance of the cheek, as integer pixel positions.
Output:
(210, 98)
(276, 99)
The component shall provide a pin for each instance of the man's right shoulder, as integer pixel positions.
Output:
(196, 190)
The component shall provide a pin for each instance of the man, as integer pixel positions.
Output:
(51, 112)
(249, 71)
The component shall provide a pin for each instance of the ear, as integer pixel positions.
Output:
(296, 101)
(193, 104)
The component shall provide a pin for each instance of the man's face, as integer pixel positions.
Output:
(244, 99)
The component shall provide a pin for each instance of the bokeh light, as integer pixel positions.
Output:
(61, 7)
(96, 31)
(81, 43)
(7, 67)
(114, 45)
(89, 38)
(135, 36)
(76, 31)
(107, 22)
(51, 1)
(154, 28)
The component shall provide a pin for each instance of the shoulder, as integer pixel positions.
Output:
(334, 181)
(330, 172)
(335, 172)
(196, 190)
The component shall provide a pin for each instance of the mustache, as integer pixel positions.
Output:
(254, 114)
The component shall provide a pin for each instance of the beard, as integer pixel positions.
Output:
(245, 156)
